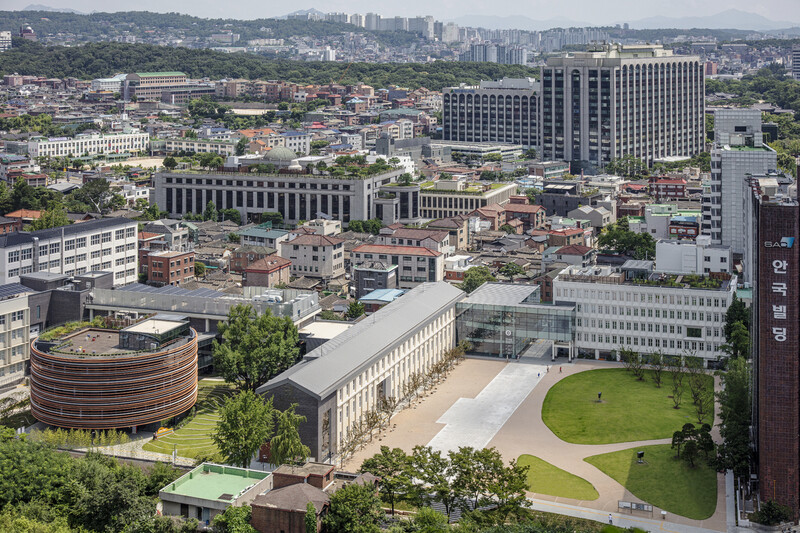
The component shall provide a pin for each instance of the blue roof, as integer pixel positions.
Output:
(684, 219)
(383, 295)
(293, 133)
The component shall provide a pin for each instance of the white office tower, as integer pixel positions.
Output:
(738, 151)
(796, 62)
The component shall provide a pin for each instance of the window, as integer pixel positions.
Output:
(27, 253)
(119, 234)
(80, 242)
(95, 254)
(106, 237)
(43, 250)
(106, 251)
(69, 245)
(55, 247)
(13, 257)
(130, 232)
(55, 263)
(95, 239)
(695, 333)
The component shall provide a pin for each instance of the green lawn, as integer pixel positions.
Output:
(631, 410)
(664, 481)
(545, 478)
(193, 439)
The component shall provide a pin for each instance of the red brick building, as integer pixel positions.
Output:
(267, 272)
(170, 268)
(667, 188)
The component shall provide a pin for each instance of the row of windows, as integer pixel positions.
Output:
(643, 297)
(15, 256)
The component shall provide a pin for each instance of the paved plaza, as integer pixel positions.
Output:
(495, 403)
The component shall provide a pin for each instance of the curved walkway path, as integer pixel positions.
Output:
(526, 432)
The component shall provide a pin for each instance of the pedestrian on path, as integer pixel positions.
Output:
(559, 370)
(610, 519)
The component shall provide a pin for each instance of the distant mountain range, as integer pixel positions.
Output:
(730, 19)
(40, 7)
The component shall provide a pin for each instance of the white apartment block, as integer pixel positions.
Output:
(738, 151)
(201, 146)
(796, 62)
(5, 41)
(14, 333)
(314, 256)
(692, 257)
(92, 144)
(671, 315)
(297, 142)
(415, 264)
(107, 244)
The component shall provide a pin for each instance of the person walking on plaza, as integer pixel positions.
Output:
(610, 519)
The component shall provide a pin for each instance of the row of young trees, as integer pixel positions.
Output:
(679, 370)
(465, 479)
(416, 384)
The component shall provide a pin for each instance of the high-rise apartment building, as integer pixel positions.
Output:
(637, 100)
(773, 217)
(796, 62)
(504, 111)
(5, 41)
(738, 151)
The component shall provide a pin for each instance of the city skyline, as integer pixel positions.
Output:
(579, 11)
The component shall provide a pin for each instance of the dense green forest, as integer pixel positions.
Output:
(103, 26)
(770, 84)
(96, 60)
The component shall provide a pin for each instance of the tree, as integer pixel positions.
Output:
(51, 218)
(433, 471)
(245, 424)
(231, 214)
(286, 446)
(475, 277)
(428, 520)
(241, 146)
(772, 513)
(530, 153)
(690, 452)
(617, 237)
(738, 344)
(509, 490)
(170, 163)
(354, 509)
(678, 438)
(697, 377)
(311, 518)
(210, 212)
(657, 367)
(632, 362)
(96, 193)
(355, 310)
(677, 372)
(628, 166)
(737, 312)
(255, 347)
(404, 178)
(508, 228)
(199, 269)
(704, 406)
(234, 519)
(511, 269)
(735, 419)
(391, 465)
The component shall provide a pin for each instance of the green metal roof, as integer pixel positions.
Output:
(210, 482)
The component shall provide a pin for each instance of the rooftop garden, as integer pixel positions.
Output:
(691, 281)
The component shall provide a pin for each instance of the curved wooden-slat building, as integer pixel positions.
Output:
(116, 388)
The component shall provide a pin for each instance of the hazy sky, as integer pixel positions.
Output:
(593, 11)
